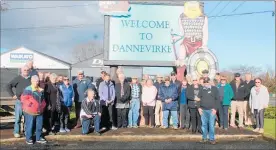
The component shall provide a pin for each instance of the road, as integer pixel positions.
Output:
(254, 144)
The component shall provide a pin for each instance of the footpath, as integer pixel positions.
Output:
(138, 134)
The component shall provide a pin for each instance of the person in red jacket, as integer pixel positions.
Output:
(33, 105)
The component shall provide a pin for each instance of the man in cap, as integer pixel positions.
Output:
(208, 96)
(133, 114)
(175, 81)
(158, 106)
(240, 92)
(169, 96)
(81, 84)
(194, 104)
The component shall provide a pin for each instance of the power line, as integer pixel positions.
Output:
(222, 9)
(214, 8)
(82, 25)
(234, 10)
(46, 7)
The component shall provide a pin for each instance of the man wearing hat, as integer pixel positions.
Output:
(81, 84)
(158, 105)
(240, 92)
(208, 96)
(205, 73)
(133, 114)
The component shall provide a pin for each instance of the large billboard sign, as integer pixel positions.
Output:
(158, 35)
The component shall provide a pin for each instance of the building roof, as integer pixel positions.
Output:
(51, 57)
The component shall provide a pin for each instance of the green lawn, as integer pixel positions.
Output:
(269, 128)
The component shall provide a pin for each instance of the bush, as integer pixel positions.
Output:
(270, 113)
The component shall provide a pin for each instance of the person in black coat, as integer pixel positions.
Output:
(123, 96)
(194, 104)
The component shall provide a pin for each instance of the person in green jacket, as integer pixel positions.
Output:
(225, 96)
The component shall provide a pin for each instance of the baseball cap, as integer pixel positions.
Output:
(237, 74)
(173, 73)
(205, 71)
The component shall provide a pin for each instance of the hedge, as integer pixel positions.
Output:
(270, 112)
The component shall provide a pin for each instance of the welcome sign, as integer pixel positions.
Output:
(20, 57)
(145, 35)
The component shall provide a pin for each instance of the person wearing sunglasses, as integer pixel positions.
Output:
(258, 101)
(19, 83)
(67, 98)
(208, 96)
(225, 96)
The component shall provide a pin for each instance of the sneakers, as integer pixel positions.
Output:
(113, 128)
(134, 126)
(151, 126)
(225, 129)
(164, 127)
(16, 135)
(62, 130)
(261, 130)
(98, 133)
(203, 141)
(67, 130)
(129, 126)
(256, 130)
(30, 142)
(42, 141)
(157, 126)
(213, 142)
(175, 128)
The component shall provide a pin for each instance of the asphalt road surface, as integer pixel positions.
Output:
(253, 144)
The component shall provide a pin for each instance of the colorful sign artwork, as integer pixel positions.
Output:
(114, 8)
(20, 57)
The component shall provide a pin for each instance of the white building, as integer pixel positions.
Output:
(13, 60)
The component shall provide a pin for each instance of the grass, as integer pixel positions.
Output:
(269, 128)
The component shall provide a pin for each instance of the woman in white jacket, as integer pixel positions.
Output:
(258, 101)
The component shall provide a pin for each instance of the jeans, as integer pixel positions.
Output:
(195, 119)
(174, 118)
(87, 122)
(133, 113)
(184, 116)
(259, 116)
(30, 121)
(208, 120)
(18, 117)
(148, 113)
(78, 109)
(64, 116)
(122, 117)
(223, 116)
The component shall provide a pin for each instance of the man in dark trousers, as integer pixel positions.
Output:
(208, 96)
(19, 83)
(123, 96)
(193, 105)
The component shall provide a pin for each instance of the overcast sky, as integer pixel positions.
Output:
(248, 40)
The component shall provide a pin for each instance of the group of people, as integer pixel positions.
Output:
(46, 100)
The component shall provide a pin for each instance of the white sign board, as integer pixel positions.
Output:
(18, 58)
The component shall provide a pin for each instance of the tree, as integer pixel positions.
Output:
(243, 69)
(87, 50)
(3, 5)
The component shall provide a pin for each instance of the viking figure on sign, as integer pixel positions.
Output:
(194, 34)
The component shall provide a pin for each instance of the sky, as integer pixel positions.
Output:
(236, 40)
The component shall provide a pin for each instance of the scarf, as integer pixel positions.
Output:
(122, 89)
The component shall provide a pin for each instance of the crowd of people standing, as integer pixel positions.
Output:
(46, 100)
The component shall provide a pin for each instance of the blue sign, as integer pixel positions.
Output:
(21, 57)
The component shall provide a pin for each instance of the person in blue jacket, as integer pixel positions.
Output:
(66, 99)
(80, 85)
(225, 96)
